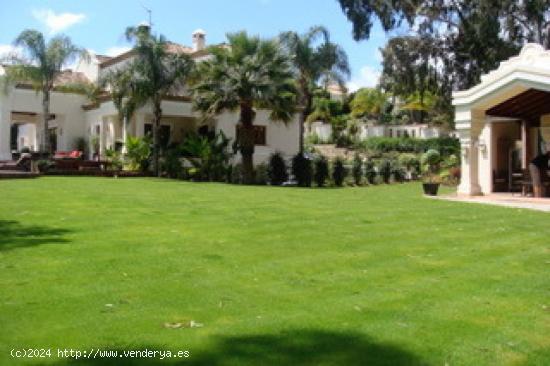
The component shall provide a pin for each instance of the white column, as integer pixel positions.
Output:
(469, 144)
(124, 135)
(5, 122)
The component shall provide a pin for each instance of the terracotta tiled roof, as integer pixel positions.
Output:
(178, 48)
(64, 78)
(103, 58)
(71, 77)
(171, 47)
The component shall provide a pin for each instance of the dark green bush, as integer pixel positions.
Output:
(237, 174)
(277, 169)
(370, 171)
(302, 170)
(357, 169)
(385, 170)
(339, 172)
(171, 163)
(321, 171)
(398, 171)
(260, 174)
(209, 156)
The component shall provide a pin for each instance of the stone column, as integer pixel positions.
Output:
(469, 144)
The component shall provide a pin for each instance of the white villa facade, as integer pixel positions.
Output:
(73, 116)
(504, 121)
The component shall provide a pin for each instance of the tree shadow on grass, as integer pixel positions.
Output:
(301, 348)
(14, 235)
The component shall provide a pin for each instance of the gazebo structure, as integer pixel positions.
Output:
(504, 121)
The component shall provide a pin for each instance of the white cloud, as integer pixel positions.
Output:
(116, 50)
(57, 22)
(8, 51)
(368, 78)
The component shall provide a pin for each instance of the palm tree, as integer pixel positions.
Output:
(122, 89)
(313, 64)
(249, 73)
(41, 65)
(157, 73)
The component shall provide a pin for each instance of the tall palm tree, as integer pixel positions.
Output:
(314, 63)
(41, 64)
(157, 73)
(250, 73)
(122, 89)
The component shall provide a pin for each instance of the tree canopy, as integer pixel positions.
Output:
(251, 73)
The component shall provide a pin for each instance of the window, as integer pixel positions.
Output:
(259, 134)
(398, 133)
(391, 132)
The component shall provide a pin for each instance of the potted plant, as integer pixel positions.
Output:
(430, 162)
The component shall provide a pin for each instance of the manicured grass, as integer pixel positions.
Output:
(276, 276)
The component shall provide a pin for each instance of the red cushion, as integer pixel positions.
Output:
(75, 154)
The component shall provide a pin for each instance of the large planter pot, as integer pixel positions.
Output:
(430, 189)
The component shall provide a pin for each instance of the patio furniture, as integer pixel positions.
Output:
(21, 164)
(527, 182)
(67, 155)
(67, 160)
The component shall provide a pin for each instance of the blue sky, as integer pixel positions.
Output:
(99, 25)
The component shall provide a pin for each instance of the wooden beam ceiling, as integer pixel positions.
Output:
(529, 105)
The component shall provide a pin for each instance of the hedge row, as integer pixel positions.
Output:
(445, 145)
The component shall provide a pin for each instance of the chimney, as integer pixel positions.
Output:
(199, 40)
(144, 27)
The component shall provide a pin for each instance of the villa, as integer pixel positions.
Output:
(504, 122)
(74, 117)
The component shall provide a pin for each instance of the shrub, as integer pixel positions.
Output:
(237, 174)
(321, 171)
(357, 169)
(260, 174)
(277, 170)
(385, 170)
(399, 172)
(370, 171)
(81, 144)
(44, 165)
(302, 170)
(431, 160)
(411, 163)
(115, 158)
(339, 172)
(171, 163)
(138, 152)
(208, 155)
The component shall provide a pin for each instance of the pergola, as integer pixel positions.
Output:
(512, 103)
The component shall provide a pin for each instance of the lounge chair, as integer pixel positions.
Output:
(67, 160)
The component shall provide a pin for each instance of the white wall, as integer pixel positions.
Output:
(89, 67)
(321, 129)
(279, 136)
(69, 117)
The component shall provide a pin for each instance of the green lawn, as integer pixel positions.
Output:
(276, 276)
